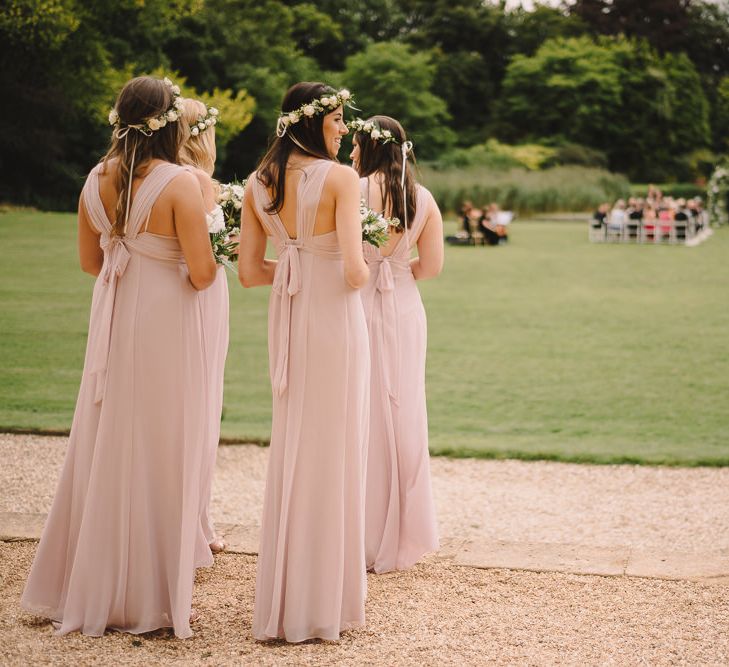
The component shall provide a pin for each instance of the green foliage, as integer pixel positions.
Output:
(644, 111)
(721, 116)
(556, 189)
(389, 78)
(495, 155)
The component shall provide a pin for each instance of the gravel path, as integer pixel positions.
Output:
(436, 613)
(433, 614)
(677, 509)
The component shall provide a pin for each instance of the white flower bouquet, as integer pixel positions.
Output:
(224, 223)
(375, 226)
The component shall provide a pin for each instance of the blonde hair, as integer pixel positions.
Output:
(197, 151)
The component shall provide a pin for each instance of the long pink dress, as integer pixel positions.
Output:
(400, 523)
(311, 580)
(123, 538)
(215, 306)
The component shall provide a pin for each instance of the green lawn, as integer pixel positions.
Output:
(547, 348)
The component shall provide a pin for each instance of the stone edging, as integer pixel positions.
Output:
(711, 567)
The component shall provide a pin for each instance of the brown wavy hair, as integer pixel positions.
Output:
(271, 171)
(387, 159)
(141, 98)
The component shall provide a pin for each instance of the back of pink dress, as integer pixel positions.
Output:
(311, 579)
(123, 537)
(400, 523)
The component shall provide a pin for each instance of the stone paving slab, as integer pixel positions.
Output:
(711, 567)
(544, 557)
(239, 539)
(17, 526)
(676, 565)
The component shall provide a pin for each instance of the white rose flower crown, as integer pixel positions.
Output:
(373, 129)
(325, 104)
(204, 122)
(150, 125)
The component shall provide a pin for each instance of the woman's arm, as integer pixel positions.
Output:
(349, 225)
(91, 256)
(253, 267)
(429, 262)
(188, 211)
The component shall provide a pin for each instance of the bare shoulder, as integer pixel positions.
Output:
(184, 186)
(342, 175)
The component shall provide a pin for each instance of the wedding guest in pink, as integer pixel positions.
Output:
(400, 523)
(198, 154)
(122, 540)
(311, 579)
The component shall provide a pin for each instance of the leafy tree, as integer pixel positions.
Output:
(721, 116)
(388, 78)
(644, 111)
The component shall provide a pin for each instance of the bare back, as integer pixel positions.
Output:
(161, 219)
(325, 219)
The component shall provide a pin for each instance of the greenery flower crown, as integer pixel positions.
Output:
(373, 129)
(325, 104)
(204, 122)
(151, 125)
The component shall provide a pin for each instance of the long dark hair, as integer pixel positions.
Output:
(307, 132)
(387, 159)
(141, 98)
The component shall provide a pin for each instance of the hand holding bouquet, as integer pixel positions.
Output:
(375, 226)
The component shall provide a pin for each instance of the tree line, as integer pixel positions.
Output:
(639, 87)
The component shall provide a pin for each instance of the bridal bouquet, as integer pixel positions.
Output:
(224, 223)
(375, 226)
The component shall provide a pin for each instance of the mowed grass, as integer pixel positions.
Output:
(549, 347)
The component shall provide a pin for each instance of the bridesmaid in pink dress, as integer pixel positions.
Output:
(311, 579)
(122, 540)
(198, 154)
(400, 523)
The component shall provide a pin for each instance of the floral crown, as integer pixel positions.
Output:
(324, 104)
(151, 125)
(372, 128)
(204, 122)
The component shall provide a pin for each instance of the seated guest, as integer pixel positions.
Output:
(487, 225)
(617, 216)
(599, 216)
(466, 216)
(635, 215)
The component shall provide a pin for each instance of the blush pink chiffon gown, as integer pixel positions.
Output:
(400, 523)
(214, 304)
(311, 579)
(123, 538)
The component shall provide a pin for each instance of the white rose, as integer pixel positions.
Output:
(368, 126)
(113, 117)
(213, 121)
(387, 134)
(224, 196)
(201, 125)
(213, 111)
(208, 122)
(345, 94)
(176, 90)
(324, 101)
(216, 220)
(172, 116)
(194, 131)
(309, 110)
(154, 124)
(376, 134)
(237, 206)
(162, 121)
(179, 104)
(168, 82)
(293, 117)
(238, 191)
